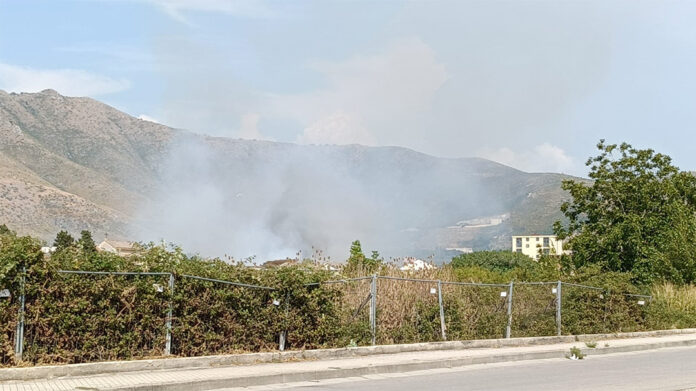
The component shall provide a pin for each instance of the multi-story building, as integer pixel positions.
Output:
(535, 245)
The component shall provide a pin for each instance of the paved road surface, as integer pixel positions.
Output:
(665, 369)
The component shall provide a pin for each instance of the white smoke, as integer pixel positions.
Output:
(257, 198)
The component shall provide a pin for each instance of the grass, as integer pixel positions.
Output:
(576, 354)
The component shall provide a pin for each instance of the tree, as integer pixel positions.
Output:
(86, 242)
(356, 253)
(637, 215)
(493, 260)
(63, 240)
(358, 262)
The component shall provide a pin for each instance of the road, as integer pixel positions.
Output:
(665, 369)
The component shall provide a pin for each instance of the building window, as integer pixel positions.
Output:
(519, 250)
(528, 239)
(537, 239)
(546, 242)
(518, 242)
(547, 251)
(527, 245)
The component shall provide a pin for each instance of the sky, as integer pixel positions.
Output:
(531, 84)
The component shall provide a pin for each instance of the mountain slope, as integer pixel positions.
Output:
(75, 163)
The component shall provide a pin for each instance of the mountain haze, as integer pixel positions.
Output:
(75, 163)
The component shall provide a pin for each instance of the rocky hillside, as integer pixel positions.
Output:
(75, 163)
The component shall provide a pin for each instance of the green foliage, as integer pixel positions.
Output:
(83, 318)
(359, 264)
(493, 260)
(63, 240)
(576, 353)
(16, 254)
(86, 243)
(636, 216)
(4, 230)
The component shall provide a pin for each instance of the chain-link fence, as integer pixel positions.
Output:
(406, 310)
(82, 316)
(351, 304)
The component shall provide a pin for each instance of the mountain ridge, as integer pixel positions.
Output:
(76, 163)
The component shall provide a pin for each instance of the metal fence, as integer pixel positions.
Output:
(495, 303)
(19, 339)
(544, 301)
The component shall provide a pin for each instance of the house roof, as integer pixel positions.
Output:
(119, 244)
(279, 262)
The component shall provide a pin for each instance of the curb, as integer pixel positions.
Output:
(250, 381)
(46, 372)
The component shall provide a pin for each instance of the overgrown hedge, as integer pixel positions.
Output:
(84, 318)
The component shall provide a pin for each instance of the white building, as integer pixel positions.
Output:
(118, 247)
(412, 264)
(535, 245)
(48, 250)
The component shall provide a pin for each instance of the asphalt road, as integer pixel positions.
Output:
(665, 369)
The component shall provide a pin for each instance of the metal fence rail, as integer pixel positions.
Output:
(507, 292)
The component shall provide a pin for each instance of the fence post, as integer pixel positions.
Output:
(508, 329)
(284, 333)
(558, 308)
(373, 309)
(19, 333)
(168, 345)
(442, 310)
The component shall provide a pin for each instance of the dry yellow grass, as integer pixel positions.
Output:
(679, 298)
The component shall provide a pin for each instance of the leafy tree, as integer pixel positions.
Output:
(356, 253)
(637, 215)
(86, 242)
(492, 260)
(358, 262)
(63, 240)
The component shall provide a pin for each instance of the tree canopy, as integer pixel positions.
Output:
(63, 240)
(492, 260)
(636, 215)
(86, 242)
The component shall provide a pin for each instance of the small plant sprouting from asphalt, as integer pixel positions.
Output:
(606, 345)
(591, 344)
(575, 354)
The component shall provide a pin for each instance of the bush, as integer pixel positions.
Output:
(500, 261)
(84, 318)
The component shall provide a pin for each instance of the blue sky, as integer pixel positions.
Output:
(532, 84)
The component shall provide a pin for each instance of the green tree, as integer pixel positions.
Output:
(86, 242)
(63, 240)
(637, 215)
(493, 260)
(359, 263)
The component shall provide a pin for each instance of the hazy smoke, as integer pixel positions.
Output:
(243, 198)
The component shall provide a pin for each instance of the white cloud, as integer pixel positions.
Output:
(367, 99)
(541, 158)
(71, 82)
(246, 8)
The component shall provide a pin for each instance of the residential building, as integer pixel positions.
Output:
(48, 250)
(412, 264)
(535, 245)
(280, 263)
(118, 247)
